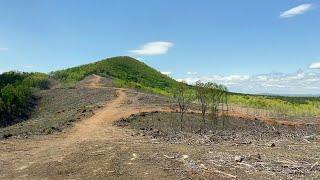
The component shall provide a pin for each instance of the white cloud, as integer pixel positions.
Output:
(299, 82)
(192, 73)
(230, 79)
(28, 66)
(166, 72)
(4, 49)
(298, 10)
(315, 65)
(139, 58)
(153, 48)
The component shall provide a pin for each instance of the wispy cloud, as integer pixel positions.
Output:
(4, 49)
(192, 73)
(298, 10)
(166, 72)
(315, 65)
(153, 48)
(28, 66)
(300, 82)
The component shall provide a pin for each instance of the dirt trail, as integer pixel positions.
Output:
(95, 81)
(95, 149)
(18, 155)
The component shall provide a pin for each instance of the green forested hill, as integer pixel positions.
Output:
(125, 69)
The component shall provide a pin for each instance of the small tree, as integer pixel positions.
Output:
(224, 96)
(203, 98)
(183, 96)
(214, 98)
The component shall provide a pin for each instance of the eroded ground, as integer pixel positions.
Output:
(241, 148)
(59, 108)
(94, 148)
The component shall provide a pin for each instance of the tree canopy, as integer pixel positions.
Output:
(16, 94)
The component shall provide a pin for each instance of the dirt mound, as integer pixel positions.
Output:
(95, 81)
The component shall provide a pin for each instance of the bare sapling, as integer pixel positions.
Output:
(203, 99)
(214, 99)
(183, 97)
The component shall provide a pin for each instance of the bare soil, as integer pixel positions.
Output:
(255, 147)
(96, 149)
(57, 109)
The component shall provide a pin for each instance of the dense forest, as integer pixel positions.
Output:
(16, 95)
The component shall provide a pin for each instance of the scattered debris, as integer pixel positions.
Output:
(169, 157)
(314, 165)
(311, 137)
(203, 166)
(272, 145)
(134, 156)
(225, 174)
(97, 153)
(255, 157)
(238, 158)
(245, 164)
(184, 157)
(6, 136)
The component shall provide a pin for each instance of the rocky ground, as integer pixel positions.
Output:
(235, 147)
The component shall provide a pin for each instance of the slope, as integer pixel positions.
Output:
(127, 71)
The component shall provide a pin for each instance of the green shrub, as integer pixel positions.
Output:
(16, 95)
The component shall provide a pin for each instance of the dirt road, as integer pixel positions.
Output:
(41, 157)
(95, 149)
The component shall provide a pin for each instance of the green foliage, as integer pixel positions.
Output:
(218, 94)
(11, 78)
(129, 72)
(36, 80)
(182, 94)
(280, 106)
(16, 94)
(202, 94)
(132, 85)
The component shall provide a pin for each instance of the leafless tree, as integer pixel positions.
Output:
(214, 98)
(203, 99)
(183, 96)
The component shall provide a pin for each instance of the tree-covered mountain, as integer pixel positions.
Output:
(126, 70)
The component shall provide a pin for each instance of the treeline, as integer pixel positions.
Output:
(16, 99)
(290, 99)
(279, 107)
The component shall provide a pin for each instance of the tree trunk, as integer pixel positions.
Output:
(181, 120)
(203, 122)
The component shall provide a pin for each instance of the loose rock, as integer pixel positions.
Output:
(238, 158)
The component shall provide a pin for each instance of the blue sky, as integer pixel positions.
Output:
(251, 46)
